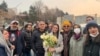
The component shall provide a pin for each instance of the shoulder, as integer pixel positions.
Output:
(60, 35)
(72, 38)
(35, 31)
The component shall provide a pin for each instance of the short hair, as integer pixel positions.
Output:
(90, 17)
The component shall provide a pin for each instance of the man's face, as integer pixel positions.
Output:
(42, 25)
(89, 19)
(50, 26)
(66, 28)
(14, 25)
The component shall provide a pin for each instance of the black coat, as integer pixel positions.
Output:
(2, 51)
(37, 41)
(92, 48)
(66, 40)
(16, 35)
(24, 42)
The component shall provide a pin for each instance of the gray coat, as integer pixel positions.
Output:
(58, 47)
(76, 46)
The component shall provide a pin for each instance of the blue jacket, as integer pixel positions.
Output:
(2, 51)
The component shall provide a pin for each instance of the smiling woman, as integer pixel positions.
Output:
(4, 49)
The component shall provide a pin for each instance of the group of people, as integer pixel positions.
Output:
(71, 40)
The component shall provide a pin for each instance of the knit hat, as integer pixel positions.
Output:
(91, 24)
(66, 22)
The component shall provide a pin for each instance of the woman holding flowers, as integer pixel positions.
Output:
(54, 49)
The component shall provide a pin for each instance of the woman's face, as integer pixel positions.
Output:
(55, 28)
(76, 26)
(93, 30)
(6, 34)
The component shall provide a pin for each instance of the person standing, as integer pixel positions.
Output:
(4, 48)
(76, 42)
(13, 30)
(67, 34)
(37, 41)
(88, 19)
(56, 51)
(25, 41)
(92, 43)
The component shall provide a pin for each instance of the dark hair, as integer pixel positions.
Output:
(90, 17)
(30, 22)
(27, 25)
(78, 27)
(58, 29)
(88, 38)
(3, 30)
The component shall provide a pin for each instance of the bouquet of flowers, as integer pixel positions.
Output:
(49, 40)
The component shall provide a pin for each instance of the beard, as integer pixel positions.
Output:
(14, 28)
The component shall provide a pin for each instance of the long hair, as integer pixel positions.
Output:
(88, 38)
(58, 29)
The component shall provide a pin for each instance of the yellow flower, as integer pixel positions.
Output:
(54, 38)
(45, 43)
(46, 37)
(42, 36)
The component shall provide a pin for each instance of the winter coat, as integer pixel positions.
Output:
(15, 33)
(76, 46)
(92, 47)
(24, 42)
(58, 47)
(13, 40)
(37, 41)
(4, 49)
(66, 40)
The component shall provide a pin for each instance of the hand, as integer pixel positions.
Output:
(12, 47)
(51, 49)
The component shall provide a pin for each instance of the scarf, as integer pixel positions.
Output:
(4, 43)
(77, 36)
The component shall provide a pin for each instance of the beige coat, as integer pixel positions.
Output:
(58, 47)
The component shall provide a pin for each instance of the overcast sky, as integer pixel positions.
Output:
(76, 7)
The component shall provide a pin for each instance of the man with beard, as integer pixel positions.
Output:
(14, 33)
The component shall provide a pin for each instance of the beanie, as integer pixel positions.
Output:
(66, 22)
(91, 24)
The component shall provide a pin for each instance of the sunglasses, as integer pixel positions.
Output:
(66, 26)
